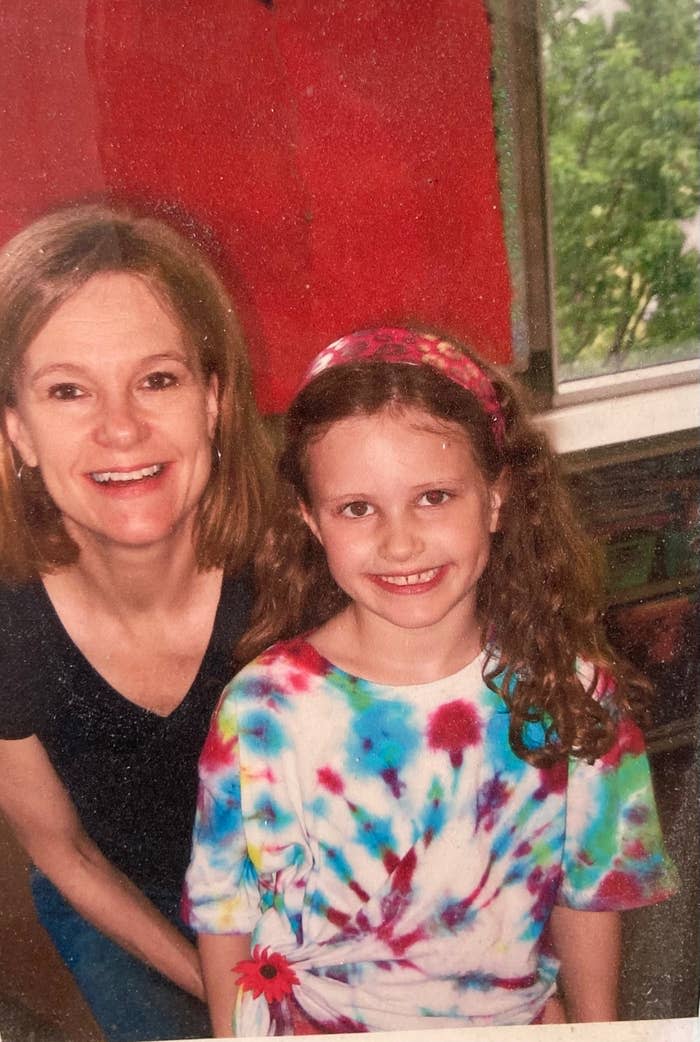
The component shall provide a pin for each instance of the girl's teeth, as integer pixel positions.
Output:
(410, 580)
(132, 475)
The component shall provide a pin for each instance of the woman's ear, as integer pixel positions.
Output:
(212, 405)
(498, 493)
(309, 519)
(19, 436)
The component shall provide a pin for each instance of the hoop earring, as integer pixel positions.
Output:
(217, 450)
(19, 471)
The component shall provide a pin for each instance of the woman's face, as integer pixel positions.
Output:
(113, 409)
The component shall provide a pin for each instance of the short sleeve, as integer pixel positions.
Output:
(16, 718)
(614, 856)
(22, 670)
(221, 894)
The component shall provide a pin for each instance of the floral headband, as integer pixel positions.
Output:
(412, 348)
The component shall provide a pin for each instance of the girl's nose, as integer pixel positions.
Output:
(401, 540)
(120, 423)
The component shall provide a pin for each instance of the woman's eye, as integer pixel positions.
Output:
(160, 381)
(358, 508)
(65, 392)
(435, 497)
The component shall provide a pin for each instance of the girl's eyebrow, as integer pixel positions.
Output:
(337, 497)
(438, 482)
(441, 479)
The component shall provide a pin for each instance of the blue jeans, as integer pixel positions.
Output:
(130, 1001)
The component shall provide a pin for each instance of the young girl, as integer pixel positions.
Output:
(400, 809)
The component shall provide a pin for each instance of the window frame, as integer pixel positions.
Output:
(665, 397)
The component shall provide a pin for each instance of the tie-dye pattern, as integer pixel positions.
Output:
(389, 843)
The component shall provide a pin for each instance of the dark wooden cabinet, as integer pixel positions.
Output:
(641, 502)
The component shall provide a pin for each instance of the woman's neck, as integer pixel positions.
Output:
(370, 647)
(130, 579)
(142, 620)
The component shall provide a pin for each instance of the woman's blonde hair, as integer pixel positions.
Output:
(40, 269)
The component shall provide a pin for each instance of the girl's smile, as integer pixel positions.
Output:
(112, 408)
(405, 518)
(418, 582)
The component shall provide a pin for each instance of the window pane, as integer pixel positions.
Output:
(621, 84)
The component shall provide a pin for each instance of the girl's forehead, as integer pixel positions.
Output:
(389, 441)
(399, 417)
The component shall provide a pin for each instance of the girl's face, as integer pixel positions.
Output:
(404, 515)
(112, 407)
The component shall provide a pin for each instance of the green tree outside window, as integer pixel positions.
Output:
(622, 93)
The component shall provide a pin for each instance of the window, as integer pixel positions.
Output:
(598, 109)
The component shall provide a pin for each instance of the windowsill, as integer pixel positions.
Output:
(628, 407)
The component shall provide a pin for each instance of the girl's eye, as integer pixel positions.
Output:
(160, 381)
(435, 497)
(65, 392)
(357, 509)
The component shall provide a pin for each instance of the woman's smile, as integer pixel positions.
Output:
(139, 474)
(133, 482)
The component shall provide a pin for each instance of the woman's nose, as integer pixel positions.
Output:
(120, 423)
(401, 539)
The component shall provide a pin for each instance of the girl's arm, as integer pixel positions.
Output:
(588, 946)
(219, 953)
(45, 822)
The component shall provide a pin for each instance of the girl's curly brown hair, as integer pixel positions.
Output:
(539, 598)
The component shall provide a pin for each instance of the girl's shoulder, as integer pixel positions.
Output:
(295, 654)
(599, 683)
(595, 679)
(288, 667)
(279, 684)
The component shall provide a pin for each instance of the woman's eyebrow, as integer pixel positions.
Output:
(69, 367)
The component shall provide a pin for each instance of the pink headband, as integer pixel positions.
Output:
(412, 348)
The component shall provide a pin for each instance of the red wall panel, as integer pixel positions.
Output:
(340, 153)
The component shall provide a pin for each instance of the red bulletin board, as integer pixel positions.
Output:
(340, 154)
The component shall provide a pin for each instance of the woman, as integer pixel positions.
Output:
(132, 487)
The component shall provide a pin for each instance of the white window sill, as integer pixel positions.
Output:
(636, 405)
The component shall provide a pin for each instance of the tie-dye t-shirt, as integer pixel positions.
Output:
(389, 843)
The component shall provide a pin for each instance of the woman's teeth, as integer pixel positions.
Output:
(410, 580)
(103, 476)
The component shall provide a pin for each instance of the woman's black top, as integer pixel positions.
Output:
(131, 774)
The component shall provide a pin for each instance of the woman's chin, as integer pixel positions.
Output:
(144, 533)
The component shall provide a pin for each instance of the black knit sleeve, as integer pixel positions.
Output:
(21, 667)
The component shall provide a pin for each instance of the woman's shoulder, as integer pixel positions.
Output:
(237, 592)
(23, 610)
(17, 595)
(24, 659)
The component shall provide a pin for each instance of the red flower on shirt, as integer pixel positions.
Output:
(453, 727)
(266, 973)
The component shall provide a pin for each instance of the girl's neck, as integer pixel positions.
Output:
(374, 649)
